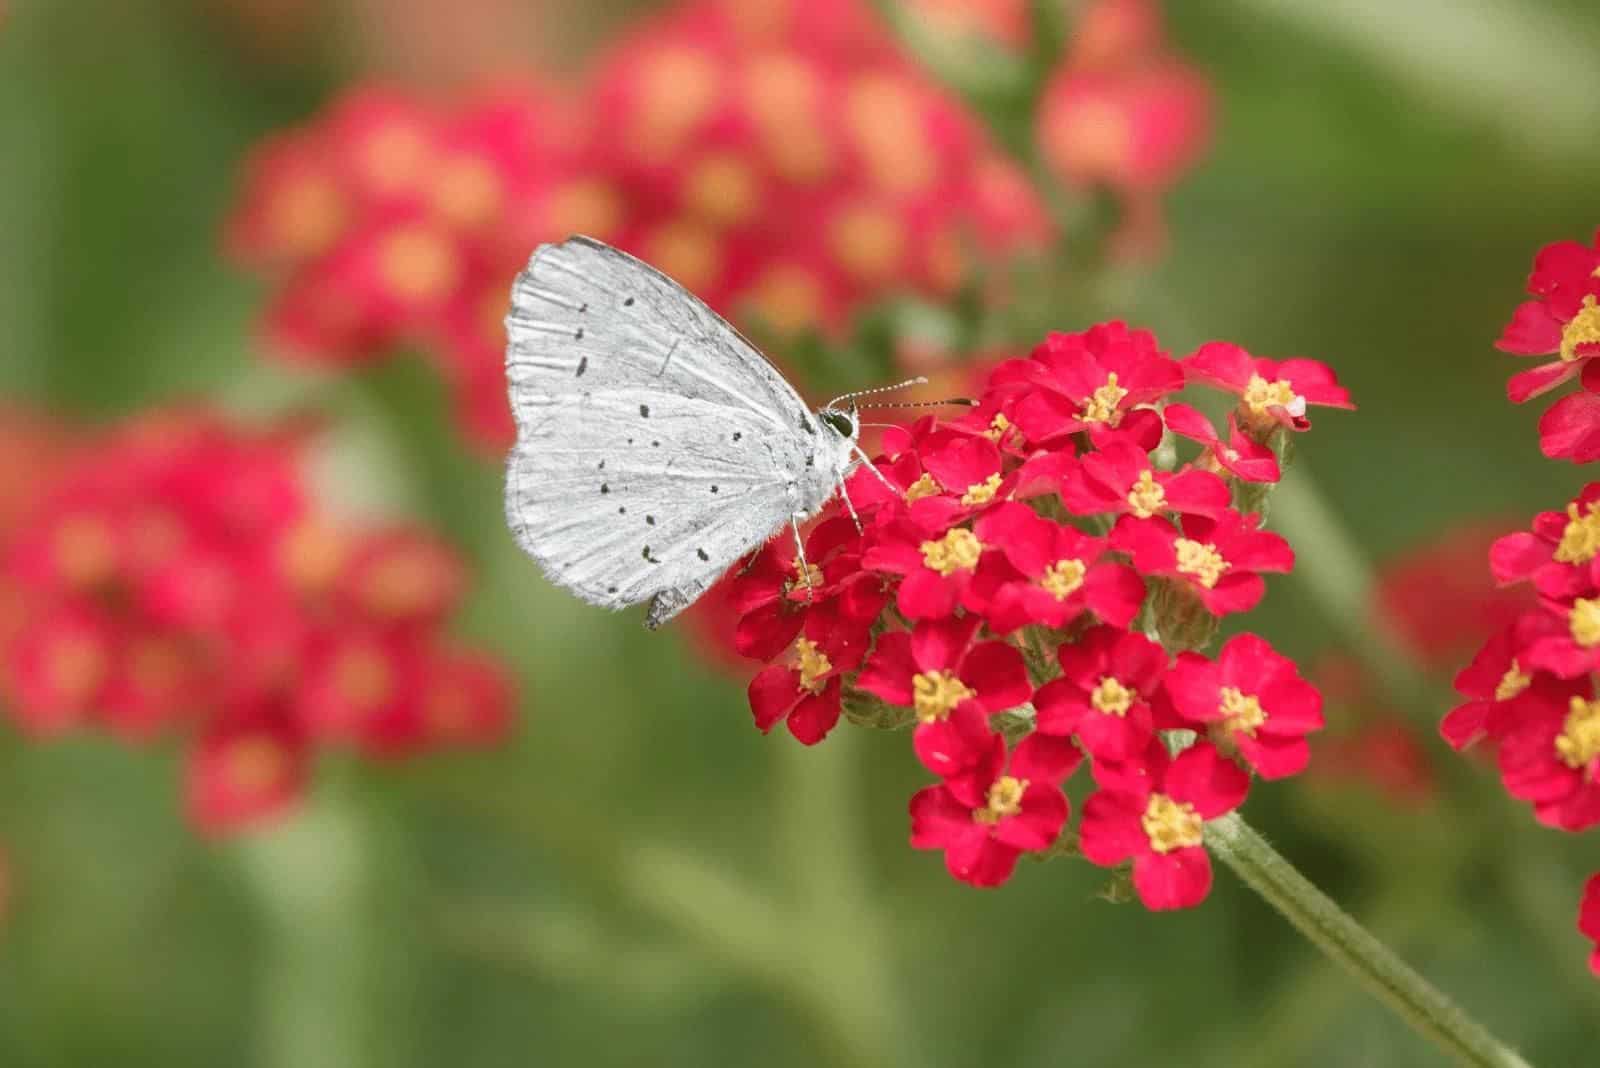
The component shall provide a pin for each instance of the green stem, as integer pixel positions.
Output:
(1428, 1011)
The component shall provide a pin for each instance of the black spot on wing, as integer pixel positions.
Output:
(650, 519)
(644, 411)
(604, 489)
(701, 553)
(583, 365)
(628, 303)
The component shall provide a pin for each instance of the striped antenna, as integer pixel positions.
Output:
(917, 381)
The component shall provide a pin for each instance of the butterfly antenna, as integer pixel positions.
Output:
(964, 402)
(908, 383)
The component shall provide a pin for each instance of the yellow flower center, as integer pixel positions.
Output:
(1260, 395)
(922, 487)
(1171, 824)
(981, 492)
(1063, 578)
(1513, 682)
(997, 427)
(1102, 405)
(813, 664)
(1005, 799)
(1200, 561)
(1111, 697)
(1584, 622)
(935, 694)
(956, 551)
(1243, 712)
(1584, 329)
(1578, 744)
(807, 575)
(1580, 541)
(1146, 498)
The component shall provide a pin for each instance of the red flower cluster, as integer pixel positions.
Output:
(1125, 112)
(969, 604)
(173, 577)
(1530, 691)
(390, 220)
(1562, 321)
(785, 162)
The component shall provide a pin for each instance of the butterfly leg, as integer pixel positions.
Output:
(800, 555)
(844, 492)
(866, 461)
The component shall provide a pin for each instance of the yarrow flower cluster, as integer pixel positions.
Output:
(172, 576)
(1530, 691)
(784, 161)
(1021, 580)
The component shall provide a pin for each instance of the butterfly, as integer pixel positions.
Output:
(656, 446)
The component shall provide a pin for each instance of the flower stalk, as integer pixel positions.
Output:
(1316, 916)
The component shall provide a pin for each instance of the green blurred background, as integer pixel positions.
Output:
(641, 878)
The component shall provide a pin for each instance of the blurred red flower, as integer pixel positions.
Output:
(176, 578)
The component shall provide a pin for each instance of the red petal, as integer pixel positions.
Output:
(1197, 493)
(1221, 364)
(955, 745)
(1570, 430)
(1187, 422)
(1206, 779)
(1177, 880)
(937, 818)
(940, 644)
(1532, 331)
(1539, 381)
(1116, 738)
(1038, 825)
(1110, 831)
(815, 715)
(1275, 758)
(1041, 758)
(1195, 688)
(1059, 706)
(1114, 592)
(773, 692)
(998, 674)
(888, 671)
(981, 861)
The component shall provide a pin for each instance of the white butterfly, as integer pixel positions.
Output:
(655, 445)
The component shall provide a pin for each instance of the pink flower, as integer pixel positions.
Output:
(986, 819)
(1561, 554)
(1218, 560)
(1154, 811)
(937, 564)
(1099, 381)
(1252, 700)
(1108, 678)
(936, 667)
(1563, 321)
(1119, 479)
(1550, 756)
(1271, 392)
(805, 692)
(1047, 573)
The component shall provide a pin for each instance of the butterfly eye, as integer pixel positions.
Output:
(842, 423)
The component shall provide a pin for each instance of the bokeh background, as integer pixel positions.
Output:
(633, 875)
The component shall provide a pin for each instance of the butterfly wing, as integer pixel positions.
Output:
(655, 445)
(619, 508)
(589, 318)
